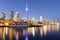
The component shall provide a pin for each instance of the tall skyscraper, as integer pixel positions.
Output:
(33, 18)
(17, 17)
(11, 15)
(3, 15)
(40, 18)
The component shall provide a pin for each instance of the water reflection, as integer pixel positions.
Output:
(11, 33)
(45, 29)
(33, 31)
(41, 32)
(57, 26)
(17, 35)
(26, 34)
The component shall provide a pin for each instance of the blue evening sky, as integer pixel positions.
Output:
(49, 9)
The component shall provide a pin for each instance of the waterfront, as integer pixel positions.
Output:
(50, 32)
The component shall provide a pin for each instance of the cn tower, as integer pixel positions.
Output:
(27, 10)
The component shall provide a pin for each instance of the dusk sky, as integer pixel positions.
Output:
(49, 9)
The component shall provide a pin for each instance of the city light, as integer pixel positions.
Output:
(29, 24)
(1, 24)
(6, 23)
(29, 19)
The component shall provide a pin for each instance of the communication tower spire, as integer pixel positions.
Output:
(26, 10)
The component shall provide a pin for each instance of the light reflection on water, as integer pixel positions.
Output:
(17, 34)
(33, 31)
(26, 32)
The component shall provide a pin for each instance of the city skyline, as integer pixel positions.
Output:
(48, 9)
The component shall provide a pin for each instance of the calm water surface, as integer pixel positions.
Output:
(50, 32)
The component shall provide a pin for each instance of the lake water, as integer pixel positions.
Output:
(50, 32)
